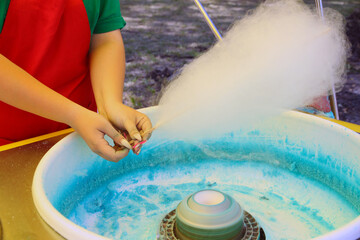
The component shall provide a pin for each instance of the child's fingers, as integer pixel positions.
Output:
(137, 146)
(132, 130)
(146, 135)
(109, 153)
(146, 128)
(117, 137)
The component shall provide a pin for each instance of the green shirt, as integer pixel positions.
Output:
(104, 15)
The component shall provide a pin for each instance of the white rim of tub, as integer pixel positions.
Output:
(70, 230)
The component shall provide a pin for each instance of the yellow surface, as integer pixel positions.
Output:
(35, 139)
(18, 215)
(352, 126)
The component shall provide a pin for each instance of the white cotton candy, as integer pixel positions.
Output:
(279, 57)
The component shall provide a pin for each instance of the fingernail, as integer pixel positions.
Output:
(125, 143)
(137, 136)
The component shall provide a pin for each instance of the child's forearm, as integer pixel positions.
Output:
(21, 90)
(107, 68)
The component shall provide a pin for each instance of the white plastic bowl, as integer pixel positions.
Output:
(70, 162)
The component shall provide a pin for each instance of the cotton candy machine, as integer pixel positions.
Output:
(295, 177)
(209, 214)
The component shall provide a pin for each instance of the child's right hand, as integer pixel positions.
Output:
(92, 127)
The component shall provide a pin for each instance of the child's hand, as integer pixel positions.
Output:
(137, 124)
(107, 70)
(92, 127)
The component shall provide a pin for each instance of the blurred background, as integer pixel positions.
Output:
(161, 36)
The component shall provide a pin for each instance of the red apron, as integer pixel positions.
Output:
(50, 40)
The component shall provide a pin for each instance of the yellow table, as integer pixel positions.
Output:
(18, 215)
(18, 162)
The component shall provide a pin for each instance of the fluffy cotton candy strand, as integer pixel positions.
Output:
(278, 57)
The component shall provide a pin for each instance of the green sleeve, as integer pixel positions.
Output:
(4, 5)
(103, 15)
(110, 17)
